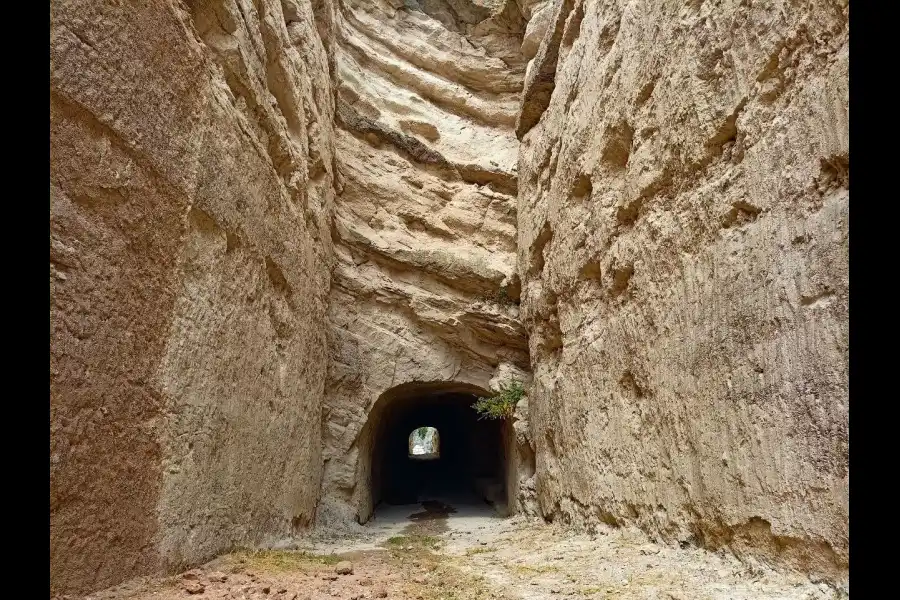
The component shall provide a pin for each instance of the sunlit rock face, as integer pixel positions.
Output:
(683, 250)
(425, 286)
(275, 222)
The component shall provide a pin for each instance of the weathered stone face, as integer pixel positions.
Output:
(273, 221)
(683, 238)
(424, 287)
(191, 194)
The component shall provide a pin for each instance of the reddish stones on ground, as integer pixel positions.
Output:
(194, 587)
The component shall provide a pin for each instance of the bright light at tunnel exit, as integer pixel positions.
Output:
(424, 443)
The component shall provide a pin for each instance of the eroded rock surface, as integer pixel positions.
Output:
(425, 286)
(683, 238)
(272, 220)
(191, 196)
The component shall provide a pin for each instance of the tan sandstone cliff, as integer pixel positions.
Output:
(191, 196)
(275, 222)
(683, 239)
(425, 223)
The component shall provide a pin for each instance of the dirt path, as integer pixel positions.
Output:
(437, 552)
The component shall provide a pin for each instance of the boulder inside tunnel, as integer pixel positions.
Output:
(471, 458)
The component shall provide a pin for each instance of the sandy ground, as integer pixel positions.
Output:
(439, 551)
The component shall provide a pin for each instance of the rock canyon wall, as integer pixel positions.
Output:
(425, 223)
(275, 221)
(191, 198)
(683, 248)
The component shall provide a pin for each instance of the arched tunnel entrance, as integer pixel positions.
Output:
(470, 466)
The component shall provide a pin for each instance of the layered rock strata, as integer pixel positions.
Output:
(425, 287)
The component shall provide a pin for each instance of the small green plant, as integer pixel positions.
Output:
(501, 405)
(502, 297)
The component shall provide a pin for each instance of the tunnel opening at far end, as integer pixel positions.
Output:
(424, 444)
(428, 444)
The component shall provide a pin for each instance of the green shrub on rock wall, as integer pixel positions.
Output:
(501, 405)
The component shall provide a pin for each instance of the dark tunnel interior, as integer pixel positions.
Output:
(472, 462)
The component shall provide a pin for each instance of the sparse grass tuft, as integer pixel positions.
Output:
(527, 570)
(283, 560)
(447, 582)
(415, 540)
